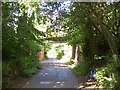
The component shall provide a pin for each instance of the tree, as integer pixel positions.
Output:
(97, 24)
(21, 40)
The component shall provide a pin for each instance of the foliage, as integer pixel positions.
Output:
(21, 41)
(59, 51)
(103, 79)
(60, 54)
(29, 66)
(58, 48)
(94, 26)
(81, 69)
(107, 76)
(70, 62)
(116, 72)
(47, 46)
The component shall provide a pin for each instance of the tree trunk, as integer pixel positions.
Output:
(73, 51)
(78, 52)
(112, 40)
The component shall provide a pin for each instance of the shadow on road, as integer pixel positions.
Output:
(54, 74)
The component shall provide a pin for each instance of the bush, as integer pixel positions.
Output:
(6, 82)
(29, 72)
(29, 66)
(21, 67)
(60, 54)
(81, 69)
(117, 75)
(108, 77)
(70, 62)
(7, 72)
(103, 78)
(59, 51)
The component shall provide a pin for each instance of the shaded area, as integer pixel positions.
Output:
(55, 74)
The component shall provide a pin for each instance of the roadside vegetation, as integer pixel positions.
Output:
(70, 62)
(92, 29)
(94, 33)
(21, 42)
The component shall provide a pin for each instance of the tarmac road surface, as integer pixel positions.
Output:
(54, 74)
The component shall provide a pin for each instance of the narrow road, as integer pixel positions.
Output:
(54, 74)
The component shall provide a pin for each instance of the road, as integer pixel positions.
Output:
(54, 74)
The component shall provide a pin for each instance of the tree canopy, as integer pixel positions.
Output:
(93, 28)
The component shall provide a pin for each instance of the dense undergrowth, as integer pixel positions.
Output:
(23, 66)
(106, 76)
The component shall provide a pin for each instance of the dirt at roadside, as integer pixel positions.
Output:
(22, 81)
(19, 82)
(87, 84)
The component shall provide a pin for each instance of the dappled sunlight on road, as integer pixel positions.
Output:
(54, 74)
